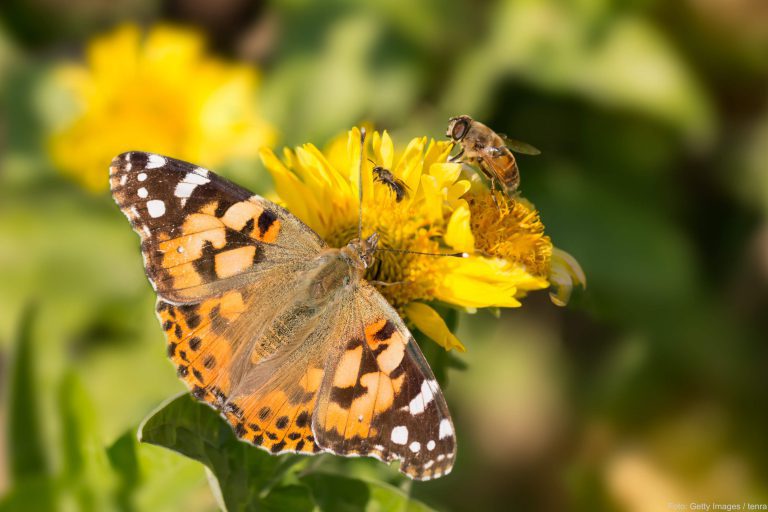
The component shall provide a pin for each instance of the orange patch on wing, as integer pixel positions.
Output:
(186, 248)
(391, 357)
(311, 380)
(240, 213)
(271, 235)
(348, 368)
(335, 417)
(201, 357)
(185, 276)
(201, 222)
(232, 305)
(210, 208)
(275, 423)
(234, 261)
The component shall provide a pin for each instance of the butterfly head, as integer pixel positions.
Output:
(360, 251)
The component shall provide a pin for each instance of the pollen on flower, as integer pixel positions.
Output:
(512, 230)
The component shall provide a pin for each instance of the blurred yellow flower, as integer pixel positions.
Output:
(157, 92)
(435, 216)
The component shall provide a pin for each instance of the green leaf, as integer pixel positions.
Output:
(337, 493)
(86, 471)
(26, 451)
(36, 493)
(246, 475)
(125, 462)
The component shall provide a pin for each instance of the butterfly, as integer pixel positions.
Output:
(274, 329)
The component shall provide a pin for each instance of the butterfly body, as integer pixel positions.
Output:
(277, 331)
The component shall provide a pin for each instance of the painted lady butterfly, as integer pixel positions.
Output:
(274, 329)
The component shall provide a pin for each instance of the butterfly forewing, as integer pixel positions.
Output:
(200, 233)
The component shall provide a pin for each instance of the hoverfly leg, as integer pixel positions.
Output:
(457, 156)
(493, 194)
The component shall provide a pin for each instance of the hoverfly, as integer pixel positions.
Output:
(385, 177)
(491, 151)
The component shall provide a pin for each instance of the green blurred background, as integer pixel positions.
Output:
(648, 389)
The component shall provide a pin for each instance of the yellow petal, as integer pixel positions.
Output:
(455, 191)
(410, 165)
(445, 173)
(458, 234)
(293, 192)
(383, 149)
(482, 282)
(437, 152)
(430, 323)
(565, 273)
(433, 200)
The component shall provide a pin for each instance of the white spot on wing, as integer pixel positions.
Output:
(143, 192)
(415, 446)
(155, 161)
(420, 401)
(429, 464)
(445, 428)
(400, 434)
(184, 189)
(123, 180)
(156, 208)
(202, 170)
(197, 179)
(431, 445)
(142, 176)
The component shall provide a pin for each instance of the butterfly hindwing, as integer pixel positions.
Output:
(380, 398)
(201, 233)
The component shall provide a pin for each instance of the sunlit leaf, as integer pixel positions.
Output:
(244, 473)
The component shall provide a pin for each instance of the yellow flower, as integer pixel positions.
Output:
(158, 92)
(437, 215)
(513, 231)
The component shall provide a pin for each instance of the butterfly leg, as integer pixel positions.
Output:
(385, 284)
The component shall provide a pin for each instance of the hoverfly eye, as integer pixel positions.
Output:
(459, 130)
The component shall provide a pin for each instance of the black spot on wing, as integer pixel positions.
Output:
(266, 219)
(302, 420)
(205, 264)
(386, 331)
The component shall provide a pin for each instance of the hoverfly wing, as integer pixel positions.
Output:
(518, 146)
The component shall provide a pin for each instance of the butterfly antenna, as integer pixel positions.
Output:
(360, 186)
(406, 251)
